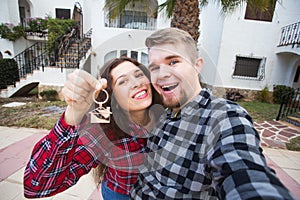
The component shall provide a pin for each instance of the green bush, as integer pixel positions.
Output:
(49, 95)
(280, 90)
(263, 95)
(57, 28)
(9, 73)
(37, 24)
(10, 32)
(294, 144)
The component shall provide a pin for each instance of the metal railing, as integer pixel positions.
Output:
(290, 104)
(32, 58)
(73, 50)
(40, 54)
(290, 35)
(133, 22)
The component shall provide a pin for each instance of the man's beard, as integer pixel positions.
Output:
(174, 102)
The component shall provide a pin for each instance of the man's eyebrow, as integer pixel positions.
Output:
(166, 59)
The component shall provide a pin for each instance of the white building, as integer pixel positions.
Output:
(245, 54)
(226, 42)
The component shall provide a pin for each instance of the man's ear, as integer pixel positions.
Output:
(199, 64)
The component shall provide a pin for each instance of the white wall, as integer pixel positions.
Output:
(41, 8)
(106, 39)
(237, 36)
(211, 30)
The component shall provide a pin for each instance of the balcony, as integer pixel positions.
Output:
(290, 39)
(132, 20)
(290, 35)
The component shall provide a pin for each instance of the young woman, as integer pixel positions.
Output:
(73, 148)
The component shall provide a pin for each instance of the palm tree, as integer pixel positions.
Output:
(184, 15)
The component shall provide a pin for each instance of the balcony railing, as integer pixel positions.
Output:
(134, 23)
(290, 35)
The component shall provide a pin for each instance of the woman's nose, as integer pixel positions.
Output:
(135, 83)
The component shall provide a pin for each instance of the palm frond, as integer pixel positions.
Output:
(117, 7)
(168, 6)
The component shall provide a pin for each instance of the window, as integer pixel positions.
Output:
(296, 78)
(63, 13)
(249, 68)
(144, 59)
(134, 55)
(134, 19)
(254, 13)
(123, 53)
(110, 55)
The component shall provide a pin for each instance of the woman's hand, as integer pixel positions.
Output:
(78, 93)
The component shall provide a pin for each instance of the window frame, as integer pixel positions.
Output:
(62, 10)
(259, 14)
(260, 70)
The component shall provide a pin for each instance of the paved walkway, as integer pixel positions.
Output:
(16, 145)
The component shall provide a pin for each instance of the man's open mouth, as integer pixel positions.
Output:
(169, 87)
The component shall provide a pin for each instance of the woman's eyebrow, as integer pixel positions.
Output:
(124, 75)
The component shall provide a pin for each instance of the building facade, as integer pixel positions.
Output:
(241, 50)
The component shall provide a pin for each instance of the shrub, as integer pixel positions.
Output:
(263, 95)
(49, 95)
(10, 32)
(9, 73)
(57, 28)
(280, 90)
(37, 24)
(294, 144)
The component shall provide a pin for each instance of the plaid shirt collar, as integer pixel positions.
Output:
(197, 102)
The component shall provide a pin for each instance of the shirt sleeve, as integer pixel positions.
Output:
(57, 162)
(239, 167)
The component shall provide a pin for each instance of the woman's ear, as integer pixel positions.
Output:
(199, 64)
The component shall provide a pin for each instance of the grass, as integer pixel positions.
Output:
(261, 111)
(36, 114)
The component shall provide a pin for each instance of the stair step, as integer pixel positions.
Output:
(66, 64)
(293, 120)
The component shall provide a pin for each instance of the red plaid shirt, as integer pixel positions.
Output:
(60, 158)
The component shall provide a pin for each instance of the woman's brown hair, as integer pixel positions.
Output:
(118, 124)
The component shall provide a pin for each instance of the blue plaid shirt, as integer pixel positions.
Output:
(210, 150)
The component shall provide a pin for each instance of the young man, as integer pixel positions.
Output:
(205, 147)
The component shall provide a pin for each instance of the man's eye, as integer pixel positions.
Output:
(154, 68)
(173, 62)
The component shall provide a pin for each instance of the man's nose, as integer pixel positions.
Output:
(164, 71)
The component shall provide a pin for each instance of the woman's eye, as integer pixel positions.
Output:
(138, 75)
(121, 82)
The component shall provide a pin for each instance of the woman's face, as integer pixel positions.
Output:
(131, 87)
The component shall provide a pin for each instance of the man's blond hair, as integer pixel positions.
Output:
(174, 36)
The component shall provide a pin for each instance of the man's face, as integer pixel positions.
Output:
(173, 75)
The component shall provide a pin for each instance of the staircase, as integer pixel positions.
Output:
(294, 120)
(77, 51)
(290, 108)
(37, 65)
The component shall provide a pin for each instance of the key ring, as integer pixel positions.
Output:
(102, 102)
(100, 114)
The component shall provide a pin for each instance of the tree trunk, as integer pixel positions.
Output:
(186, 17)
